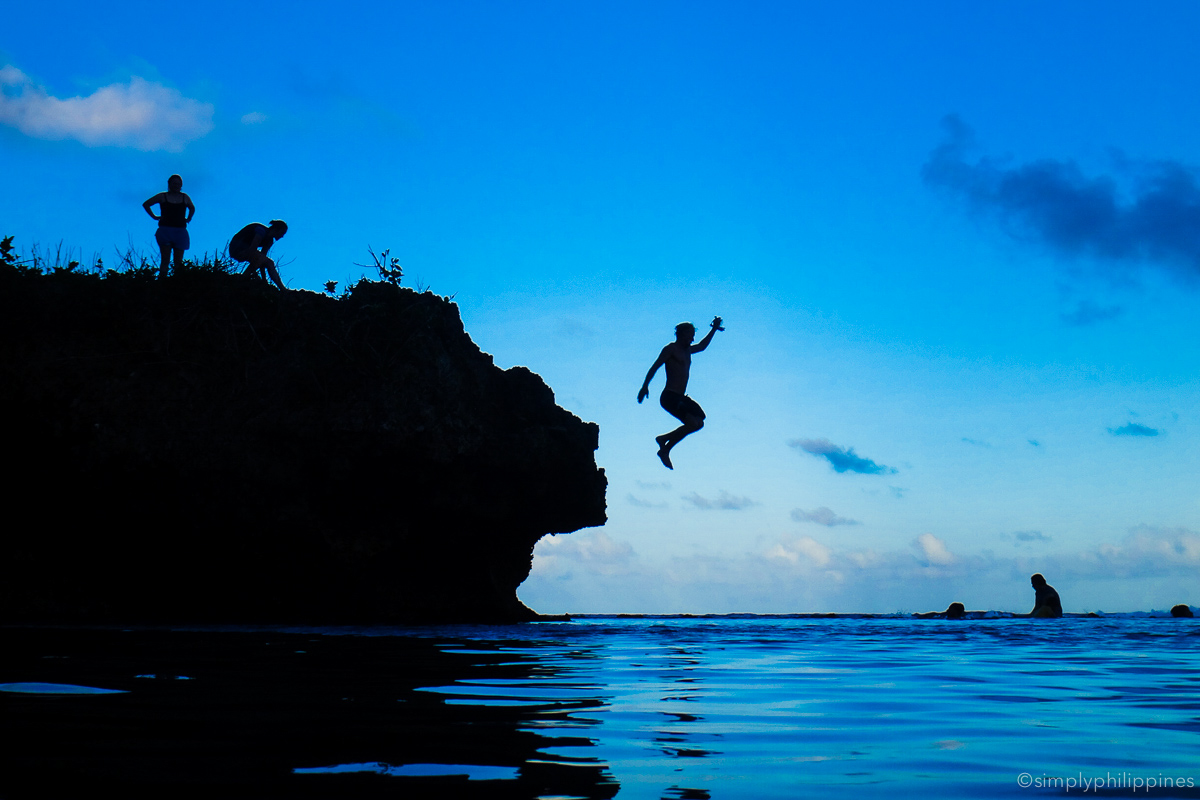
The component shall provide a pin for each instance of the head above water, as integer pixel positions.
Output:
(278, 228)
(174, 183)
(685, 331)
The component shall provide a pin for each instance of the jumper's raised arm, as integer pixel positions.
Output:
(716, 326)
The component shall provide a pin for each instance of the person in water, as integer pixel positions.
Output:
(954, 611)
(677, 356)
(175, 211)
(251, 244)
(1045, 602)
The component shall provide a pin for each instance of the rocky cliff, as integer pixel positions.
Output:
(207, 449)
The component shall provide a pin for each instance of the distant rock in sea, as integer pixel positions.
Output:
(208, 449)
(1181, 611)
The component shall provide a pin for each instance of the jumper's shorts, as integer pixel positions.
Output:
(679, 405)
(174, 238)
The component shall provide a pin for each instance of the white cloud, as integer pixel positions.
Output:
(933, 550)
(254, 118)
(806, 547)
(865, 559)
(593, 550)
(139, 114)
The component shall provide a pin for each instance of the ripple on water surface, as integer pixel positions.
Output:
(766, 707)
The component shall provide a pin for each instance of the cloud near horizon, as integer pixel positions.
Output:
(933, 550)
(801, 574)
(139, 114)
(841, 459)
(594, 551)
(1145, 551)
(822, 516)
(1053, 203)
(805, 547)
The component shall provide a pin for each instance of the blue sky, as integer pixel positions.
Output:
(960, 242)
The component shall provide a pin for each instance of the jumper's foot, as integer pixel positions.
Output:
(664, 455)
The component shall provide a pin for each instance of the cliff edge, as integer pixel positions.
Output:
(208, 449)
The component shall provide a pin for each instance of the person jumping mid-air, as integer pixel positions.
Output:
(677, 356)
(251, 244)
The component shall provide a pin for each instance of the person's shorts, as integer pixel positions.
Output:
(174, 238)
(679, 405)
(242, 254)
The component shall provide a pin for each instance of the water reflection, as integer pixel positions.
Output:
(54, 688)
(299, 714)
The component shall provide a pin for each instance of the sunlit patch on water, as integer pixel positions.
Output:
(949, 744)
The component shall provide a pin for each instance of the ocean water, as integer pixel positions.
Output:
(754, 707)
(630, 707)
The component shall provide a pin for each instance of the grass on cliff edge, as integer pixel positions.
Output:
(136, 265)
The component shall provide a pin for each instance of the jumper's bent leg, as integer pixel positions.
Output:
(669, 440)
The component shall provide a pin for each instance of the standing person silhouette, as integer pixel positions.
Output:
(251, 244)
(175, 211)
(677, 356)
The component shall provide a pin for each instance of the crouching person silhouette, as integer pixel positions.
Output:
(677, 357)
(251, 244)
